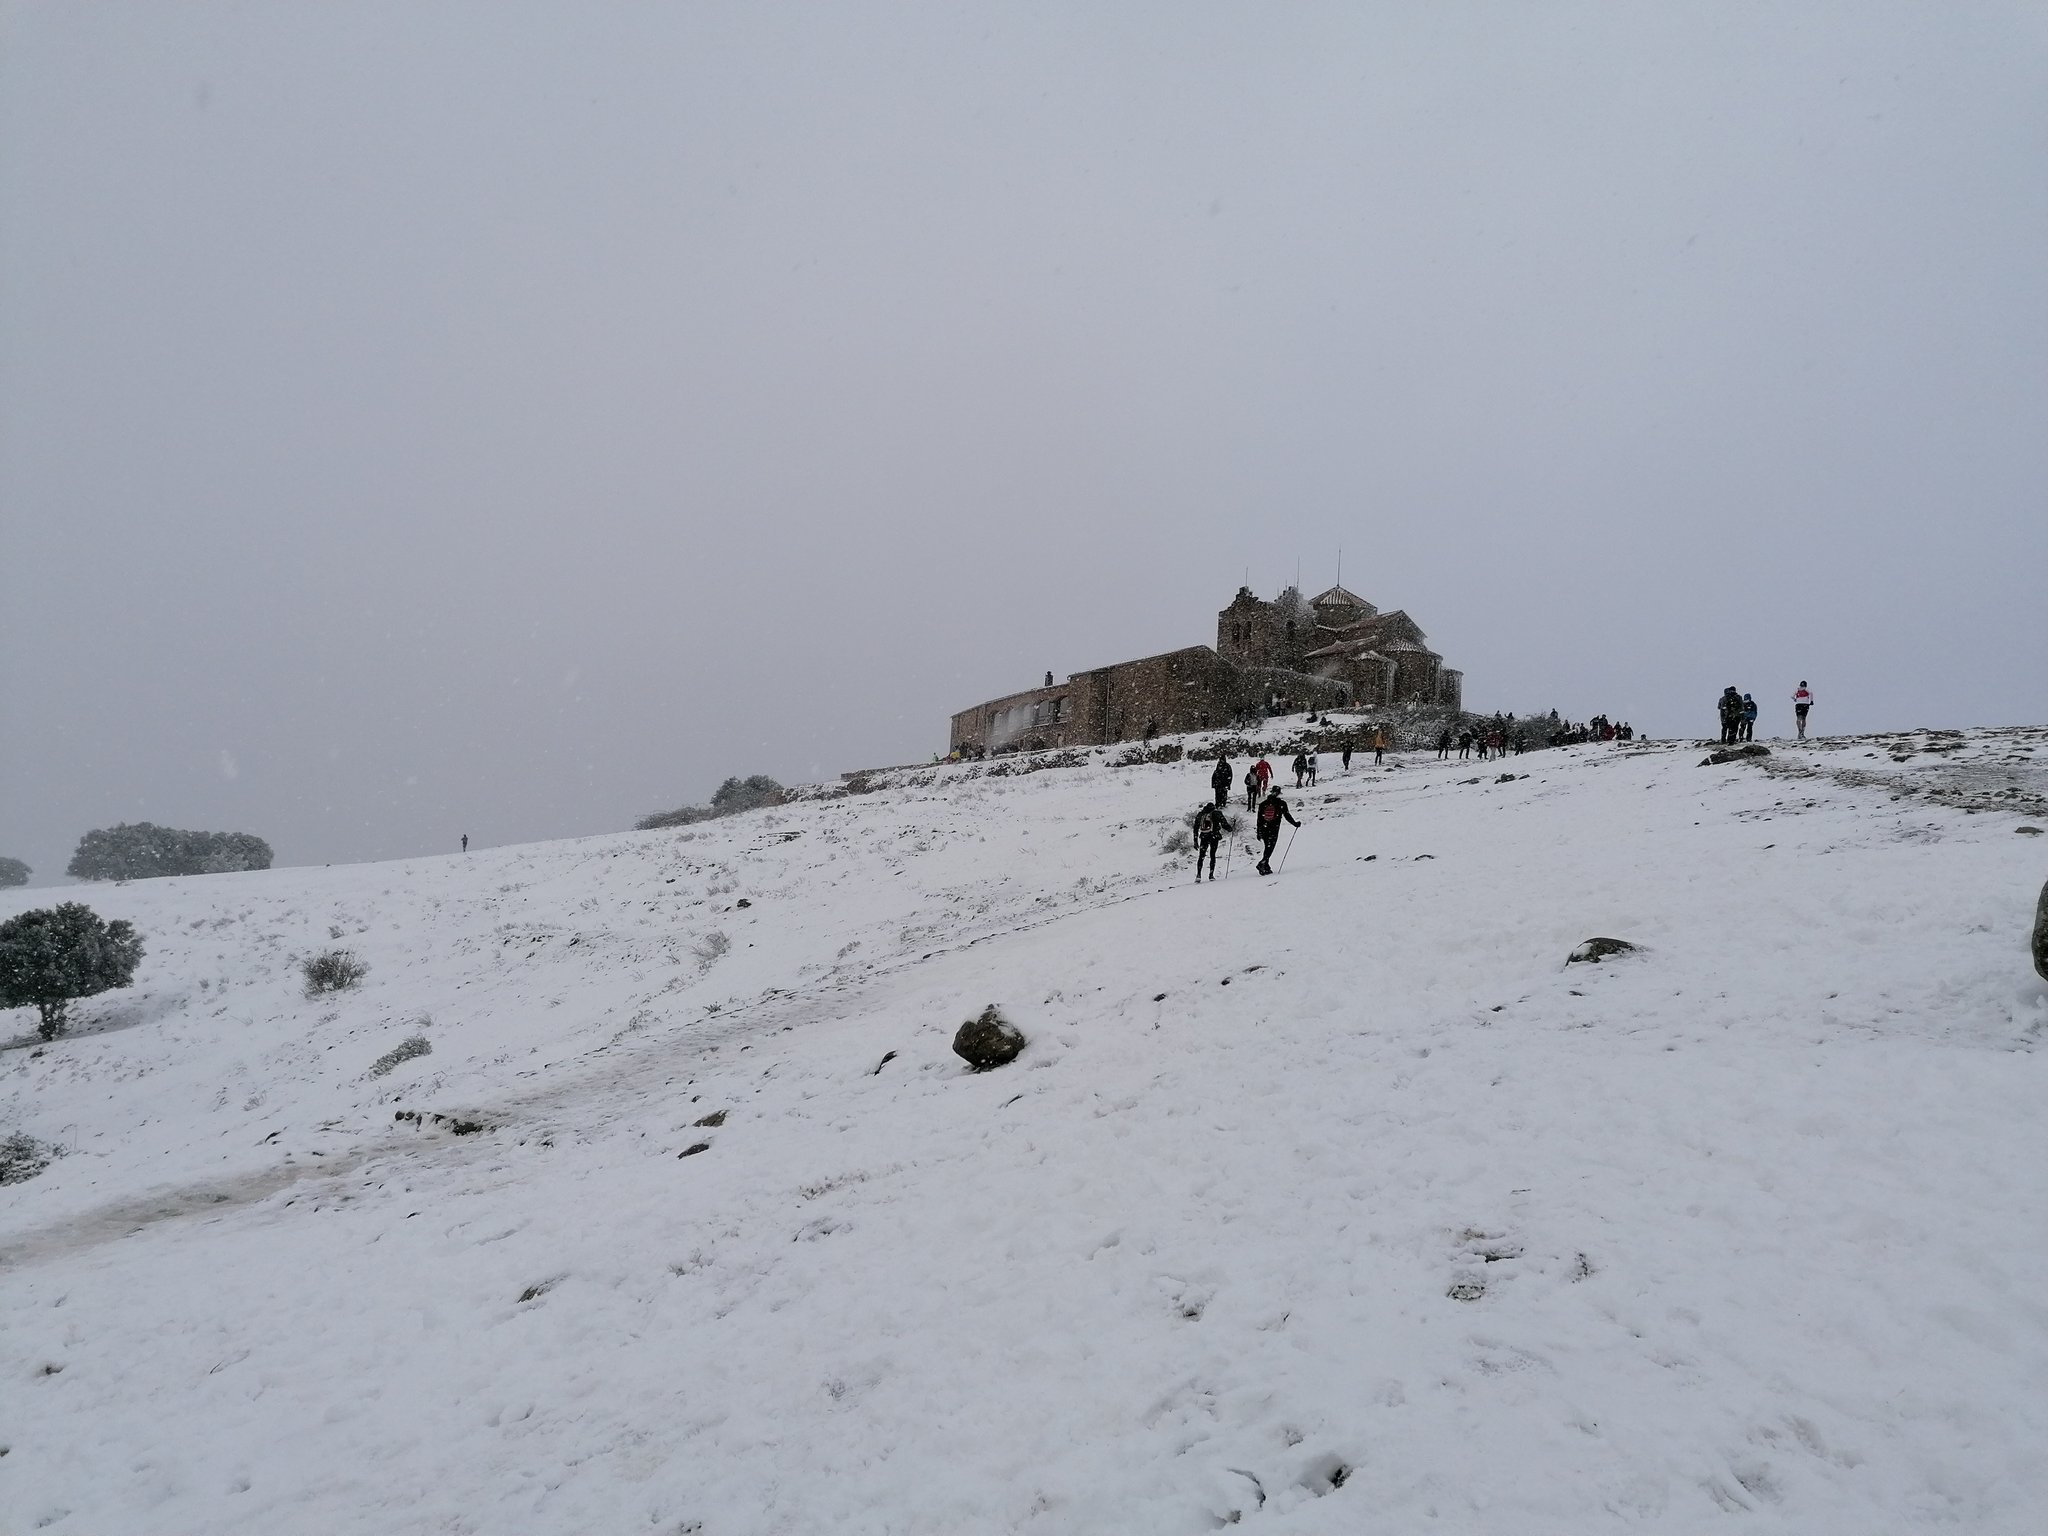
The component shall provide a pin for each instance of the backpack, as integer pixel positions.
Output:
(1269, 814)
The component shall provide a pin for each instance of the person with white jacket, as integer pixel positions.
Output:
(1802, 701)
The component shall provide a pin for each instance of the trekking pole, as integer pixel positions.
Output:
(1288, 849)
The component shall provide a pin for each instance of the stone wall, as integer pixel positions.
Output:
(1023, 722)
(1186, 690)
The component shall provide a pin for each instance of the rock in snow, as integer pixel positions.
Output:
(1597, 950)
(989, 1041)
(1735, 754)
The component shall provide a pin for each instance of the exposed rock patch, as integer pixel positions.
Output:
(1735, 754)
(989, 1041)
(2041, 934)
(1596, 950)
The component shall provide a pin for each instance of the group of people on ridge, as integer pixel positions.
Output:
(1738, 713)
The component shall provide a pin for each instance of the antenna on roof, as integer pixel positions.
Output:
(1340, 565)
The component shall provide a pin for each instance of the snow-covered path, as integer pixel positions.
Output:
(1327, 1203)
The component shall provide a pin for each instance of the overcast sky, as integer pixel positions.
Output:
(511, 418)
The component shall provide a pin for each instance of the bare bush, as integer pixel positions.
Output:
(336, 971)
(22, 1157)
(405, 1050)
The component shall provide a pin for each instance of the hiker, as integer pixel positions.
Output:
(465, 842)
(1802, 701)
(1208, 828)
(1347, 754)
(1730, 705)
(1300, 769)
(1220, 779)
(1264, 770)
(1748, 718)
(1251, 789)
(1272, 811)
(1311, 767)
(1379, 745)
(1464, 745)
(1443, 745)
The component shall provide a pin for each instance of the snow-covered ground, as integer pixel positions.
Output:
(1328, 1203)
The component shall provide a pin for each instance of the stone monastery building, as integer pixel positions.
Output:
(1334, 651)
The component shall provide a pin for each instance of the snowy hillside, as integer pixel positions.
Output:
(1333, 1202)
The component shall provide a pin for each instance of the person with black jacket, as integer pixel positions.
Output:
(1731, 714)
(1208, 829)
(1272, 811)
(1221, 779)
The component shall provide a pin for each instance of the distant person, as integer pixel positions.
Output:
(1264, 770)
(1802, 701)
(1208, 828)
(1220, 779)
(1748, 718)
(1048, 679)
(1272, 811)
(465, 842)
(1443, 745)
(1251, 789)
(1730, 706)
(1345, 756)
(1300, 769)
(1464, 745)
(1379, 745)
(1311, 767)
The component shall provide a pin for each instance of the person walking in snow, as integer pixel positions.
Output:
(1443, 745)
(1300, 769)
(1220, 779)
(1264, 770)
(1251, 789)
(1347, 753)
(1379, 745)
(1272, 811)
(1208, 829)
(1802, 701)
(465, 842)
(1748, 718)
(1311, 767)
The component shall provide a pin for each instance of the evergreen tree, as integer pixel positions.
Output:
(54, 954)
(13, 872)
(143, 851)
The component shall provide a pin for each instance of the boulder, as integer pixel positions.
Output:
(989, 1041)
(1735, 754)
(1597, 950)
(2041, 934)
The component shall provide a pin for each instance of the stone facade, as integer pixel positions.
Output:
(1384, 658)
(1336, 651)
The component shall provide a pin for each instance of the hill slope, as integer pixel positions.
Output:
(1334, 1202)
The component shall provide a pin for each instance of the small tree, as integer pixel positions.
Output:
(14, 872)
(54, 954)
